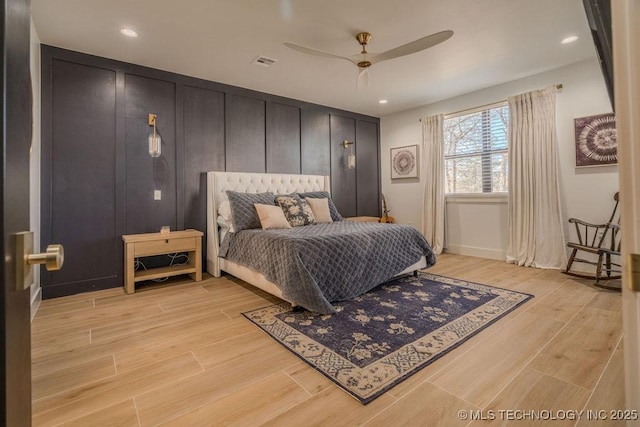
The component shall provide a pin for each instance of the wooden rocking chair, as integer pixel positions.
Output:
(593, 239)
(606, 253)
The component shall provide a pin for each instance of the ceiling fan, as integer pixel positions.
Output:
(364, 59)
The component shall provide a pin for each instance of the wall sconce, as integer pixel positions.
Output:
(155, 142)
(351, 159)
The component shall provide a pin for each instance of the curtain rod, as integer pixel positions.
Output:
(558, 87)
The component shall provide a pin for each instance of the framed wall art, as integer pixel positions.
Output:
(596, 140)
(404, 162)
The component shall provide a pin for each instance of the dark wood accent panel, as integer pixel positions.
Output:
(315, 131)
(82, 212)
(245, 134)
(343, 179)
(367, 190)
(203, 150)
(144, 96)
(283, 138)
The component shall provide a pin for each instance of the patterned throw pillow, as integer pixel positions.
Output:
(296, 210)
(335, 215)
(243, 213)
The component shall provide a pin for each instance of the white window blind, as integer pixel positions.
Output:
(476, 150)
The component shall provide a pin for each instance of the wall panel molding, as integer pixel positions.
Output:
(245, 140)
(343, 179)
(283, 138)
(204, 126)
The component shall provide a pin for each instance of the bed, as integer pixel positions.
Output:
(267, 277)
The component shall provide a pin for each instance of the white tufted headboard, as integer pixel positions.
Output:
(219, 182)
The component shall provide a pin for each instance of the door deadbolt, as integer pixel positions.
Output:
(52, 258)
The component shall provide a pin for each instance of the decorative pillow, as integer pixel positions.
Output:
(320, 209)
(243, 213)
(335, 215)
(296, 210)
(271, 217)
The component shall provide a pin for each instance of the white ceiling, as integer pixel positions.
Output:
(495, 41)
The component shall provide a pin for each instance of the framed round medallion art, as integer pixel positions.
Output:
(404, 162)
(596, 140)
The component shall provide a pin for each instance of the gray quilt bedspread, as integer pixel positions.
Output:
(318, 264)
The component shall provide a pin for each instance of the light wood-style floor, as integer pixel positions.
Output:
(181, 354)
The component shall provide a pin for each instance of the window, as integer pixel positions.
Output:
(476, 150)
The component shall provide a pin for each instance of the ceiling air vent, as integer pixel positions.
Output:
(264, 61)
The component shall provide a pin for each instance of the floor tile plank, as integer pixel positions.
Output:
(428, 405)
(122, 414)
(608, 395)
(479, 375)
(184, 353)
(308, 378)
(533, 392)
(330, 407)
(563, 303)
(579, 353)
(178, 398)
(82, 400)
(252, 405)
(72, 376)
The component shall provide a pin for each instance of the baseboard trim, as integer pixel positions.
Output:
(90, 285)
(35, 302)
(477, 252)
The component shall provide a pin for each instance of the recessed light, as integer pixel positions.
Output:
(128, 32)
(382, 101)
(569, 39)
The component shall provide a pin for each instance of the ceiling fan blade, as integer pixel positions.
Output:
(412, 47)
(363, 78)
(315, 52)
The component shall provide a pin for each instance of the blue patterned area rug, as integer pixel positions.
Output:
(381, 338)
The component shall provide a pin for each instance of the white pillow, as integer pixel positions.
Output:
(320, 209)
(224, 216)
(271, 217)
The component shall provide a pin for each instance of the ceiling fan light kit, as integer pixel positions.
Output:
(363, 39)
(363, 63)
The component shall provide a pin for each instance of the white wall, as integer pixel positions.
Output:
(478, 226)
(34, 173)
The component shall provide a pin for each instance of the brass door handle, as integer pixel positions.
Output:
(53, 258)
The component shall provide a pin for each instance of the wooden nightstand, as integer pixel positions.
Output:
(149, 244)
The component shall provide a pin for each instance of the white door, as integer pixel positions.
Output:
(626, 55)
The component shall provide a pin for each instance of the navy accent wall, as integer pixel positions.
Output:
(98, 178)
(343, 182)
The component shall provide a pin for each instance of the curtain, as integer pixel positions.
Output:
(536, 235)
(433, 179)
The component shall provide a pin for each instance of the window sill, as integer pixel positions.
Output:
(476, 198)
